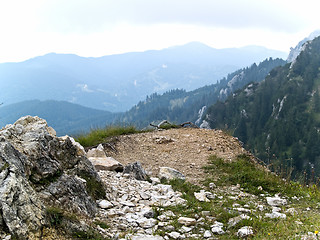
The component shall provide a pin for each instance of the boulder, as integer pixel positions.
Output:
(39, 170)
(21, 209)
(187, 221)
(136, 170)
(97, 152)
(101, 162)
(244, 232)
(106, 164)
(170, 173)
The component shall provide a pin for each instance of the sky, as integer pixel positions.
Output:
(93, 28)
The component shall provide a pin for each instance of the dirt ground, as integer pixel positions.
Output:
(185, 149)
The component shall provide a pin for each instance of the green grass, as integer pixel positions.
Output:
(57, 218)
(250, 176)
(94, 188)
(97, 136)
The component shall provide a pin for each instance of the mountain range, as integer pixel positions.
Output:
(117, 82)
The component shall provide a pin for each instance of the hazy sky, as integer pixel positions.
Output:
(101, 27)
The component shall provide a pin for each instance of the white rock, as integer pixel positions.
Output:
(234, 221)
(96, 152)
(276, 215)
(292, 211)
(244, 231)
(201, 196)
(276, 209)
(105, 204)
(217, 228)
(170, 173)
(241, 209)
(106, 163)
(207, 234)
(276, 201)
(174, 235)
(146, 237)
(127, 203)
(185, 229)
(260, 207)
(146, 222)
(187, 221)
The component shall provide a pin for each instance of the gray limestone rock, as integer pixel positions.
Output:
(21, 208)
(136, 170)
(38, 170)
(170, 173)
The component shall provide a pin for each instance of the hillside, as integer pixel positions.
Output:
(54, 189)
(278, 119)
(181, 106)
(64, 117)
(116, 82)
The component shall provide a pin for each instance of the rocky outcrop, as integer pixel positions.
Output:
(39, 170)
(21, 209)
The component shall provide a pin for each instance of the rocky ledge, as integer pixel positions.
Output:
(39, 172)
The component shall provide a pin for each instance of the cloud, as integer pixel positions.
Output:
(96, 15)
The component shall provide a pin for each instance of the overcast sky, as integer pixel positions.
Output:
(101, 27)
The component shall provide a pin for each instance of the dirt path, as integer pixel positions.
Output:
(184, 149)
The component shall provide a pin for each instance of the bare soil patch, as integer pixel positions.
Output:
(184, 149)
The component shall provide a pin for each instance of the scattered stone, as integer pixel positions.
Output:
(276, 201)
(146, 222)
(163, 140)
(174, 235)
(185, 229)
(187, 221)
(105, 204)
(170, 173)
(234, 221)
(201, 196)
(212, 185)
(207, 234)
(106, 163)
(146, 237)
(136, 170)
(276, 215)
(244, 232)
(309, 236)
(97, 152)
(217, 228)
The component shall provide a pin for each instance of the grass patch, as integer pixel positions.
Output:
(94, 188)
(55, 216)
(58, 219)
(250, 176)
(87, 235)
(226, 175)
(101, 224)
(97, 136)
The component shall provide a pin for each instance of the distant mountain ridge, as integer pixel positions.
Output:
(64, 117)
(117, 82)
(174, 105)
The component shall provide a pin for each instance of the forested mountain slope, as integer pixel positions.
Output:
(180, 106)
(279, 118)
